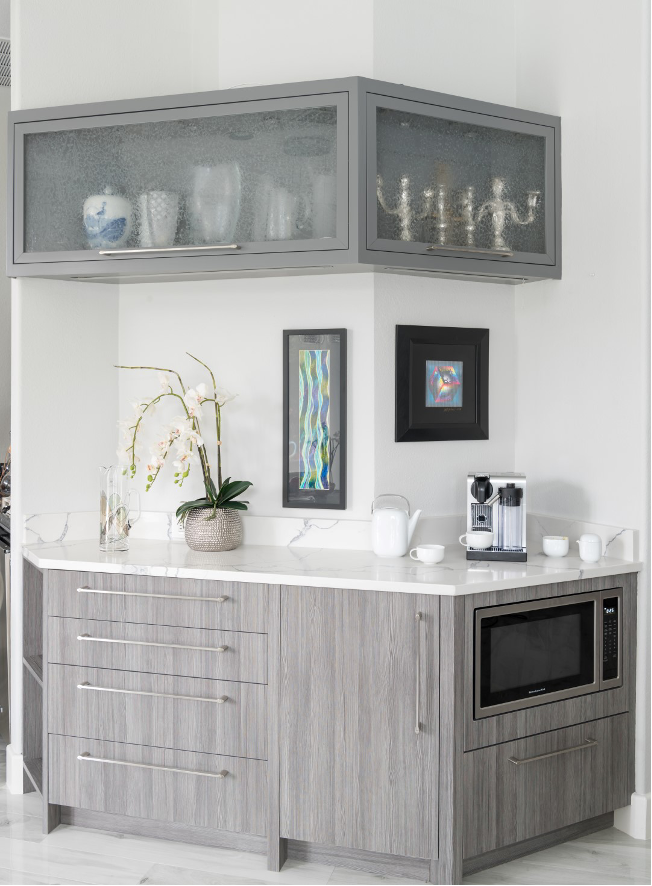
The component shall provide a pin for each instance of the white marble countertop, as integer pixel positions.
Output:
(315, 567)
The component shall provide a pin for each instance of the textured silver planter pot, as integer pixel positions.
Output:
(222, 533)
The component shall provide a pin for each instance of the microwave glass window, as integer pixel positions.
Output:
(530, 653)
(521, 652)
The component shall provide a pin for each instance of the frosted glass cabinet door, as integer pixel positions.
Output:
(253, 176)
(447, 182)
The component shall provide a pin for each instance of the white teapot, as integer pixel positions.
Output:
(391, 525)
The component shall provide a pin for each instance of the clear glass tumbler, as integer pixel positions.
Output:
(116, 515)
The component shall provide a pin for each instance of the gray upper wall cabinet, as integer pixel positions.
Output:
(333, 175)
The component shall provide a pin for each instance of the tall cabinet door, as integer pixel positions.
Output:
(359, 719)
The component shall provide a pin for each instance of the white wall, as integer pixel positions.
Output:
(235, 326)
(433, 475)
(462, 47)
(582, 398)
(262, 42)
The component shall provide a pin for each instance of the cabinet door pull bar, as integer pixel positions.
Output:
(417, 724)
(144, 643)
(87, 685)
(169, 249)
(222, 599)
(503, 253)
(87, 758)
(587, 743)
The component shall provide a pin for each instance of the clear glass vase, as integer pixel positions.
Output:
(116, 514)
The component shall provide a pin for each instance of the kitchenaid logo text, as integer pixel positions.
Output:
(535, 691)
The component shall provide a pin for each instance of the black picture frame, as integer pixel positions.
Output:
(293, 495)
(469, 349)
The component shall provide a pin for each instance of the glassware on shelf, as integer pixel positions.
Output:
(158, 214)
(214, 202)
(115, 510)
(484, 183)
(503, 211)
(324, 203)
(404, 209)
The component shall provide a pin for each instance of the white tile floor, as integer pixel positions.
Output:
(75, 855)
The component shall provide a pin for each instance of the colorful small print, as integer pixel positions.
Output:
(314, 419)
(444, 383)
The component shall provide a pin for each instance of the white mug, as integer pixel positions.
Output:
(590, 547)
(428, 553)
(480, 539)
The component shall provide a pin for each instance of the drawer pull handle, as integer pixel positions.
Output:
(587, 743)
(221, 599)
(154, 249)
(148, 643)
(87, 685)
(503, 253)
(417, 724)
(87, 758)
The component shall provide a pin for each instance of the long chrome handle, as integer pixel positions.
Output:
(417, 724)
(588, 743)
(87, 685)
(87, 758)
(144, 643)
(170, 249)
(503, 253)
(221, 599)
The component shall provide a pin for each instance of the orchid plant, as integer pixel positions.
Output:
(184, 434)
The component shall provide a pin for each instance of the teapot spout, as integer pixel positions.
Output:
(412, 525)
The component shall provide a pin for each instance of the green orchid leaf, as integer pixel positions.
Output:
(235, 506)
(232, 490)
(184, 509)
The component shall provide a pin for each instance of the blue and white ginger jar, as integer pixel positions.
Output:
(107, 220)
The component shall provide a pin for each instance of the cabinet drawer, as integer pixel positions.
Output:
(185, 713)
(230, 606)
(561, 777)
(165, 785)
(186, 652)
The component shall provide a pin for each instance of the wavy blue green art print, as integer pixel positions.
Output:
(314, 418)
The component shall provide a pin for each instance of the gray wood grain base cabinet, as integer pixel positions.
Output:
(333, 175)
(340, 731)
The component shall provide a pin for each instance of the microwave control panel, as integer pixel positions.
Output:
(609, 638)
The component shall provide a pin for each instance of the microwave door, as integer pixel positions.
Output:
(532, 653)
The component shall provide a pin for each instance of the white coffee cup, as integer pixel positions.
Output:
(590, 547)
(555, 545)
(479, 539)
(428, 553)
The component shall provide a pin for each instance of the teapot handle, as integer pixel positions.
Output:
(395, 494)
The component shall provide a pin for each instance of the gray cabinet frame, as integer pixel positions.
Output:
(355, 247)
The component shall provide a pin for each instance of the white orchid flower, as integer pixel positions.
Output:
(164, 382)
(180, 425)
(193, 398)
(139, 407)
(223, 396)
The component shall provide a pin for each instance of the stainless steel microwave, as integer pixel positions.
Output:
(545, 650)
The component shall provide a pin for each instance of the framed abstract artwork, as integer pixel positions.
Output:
(314, 418)
(442, 383)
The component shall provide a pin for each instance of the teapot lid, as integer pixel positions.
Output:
(390, 501)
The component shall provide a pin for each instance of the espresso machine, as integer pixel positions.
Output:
(496, 503)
